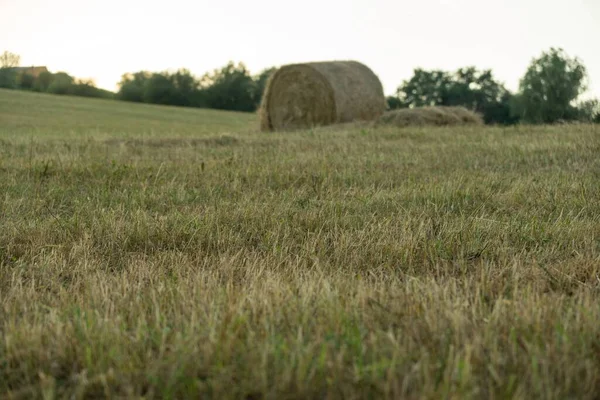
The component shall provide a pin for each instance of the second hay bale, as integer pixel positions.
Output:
(430, 116)
(313, 94)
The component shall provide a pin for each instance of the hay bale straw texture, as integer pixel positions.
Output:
(430, 116)
(306, 95)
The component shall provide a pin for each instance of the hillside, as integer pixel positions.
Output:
(25, 112)
(159, 252)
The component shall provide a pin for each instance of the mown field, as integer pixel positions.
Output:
(157, 252)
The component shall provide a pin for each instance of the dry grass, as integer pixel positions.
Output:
(387, 263)
(430, 116)
(302, 96)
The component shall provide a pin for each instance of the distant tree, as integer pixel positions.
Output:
(393, 103)
(42, 81)
(589, 111)
(61, 83)
(131, 87)
(188, 89)
(9, 60)
(550, 87)
(87, 88)
(8, 76)
(425, 88)
(180, 88)
(230, 88)
(480, 92)
(159, 89)
(261, 83)
(25, 81)
(467, 87)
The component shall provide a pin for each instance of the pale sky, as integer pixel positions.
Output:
(102, 39)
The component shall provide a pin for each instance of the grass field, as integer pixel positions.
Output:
(159, 252)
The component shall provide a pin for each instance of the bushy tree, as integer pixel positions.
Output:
(394, 103)
(159, 89)
(467, 87)
(589, 111)
(25, 81)
(550, 87)
(188, 89)
(230, 88)
(87, 88)
(8, 76)
(180, 88)
(61, 83)
(42, 82)
(131, 87)
(480, 92)
(425, 88)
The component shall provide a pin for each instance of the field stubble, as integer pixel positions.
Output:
(162, 258)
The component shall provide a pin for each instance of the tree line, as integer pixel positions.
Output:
(549, 91)
(11, 77)
(231, 87)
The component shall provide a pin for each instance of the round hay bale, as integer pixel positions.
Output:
(322, 93)
(467, 117)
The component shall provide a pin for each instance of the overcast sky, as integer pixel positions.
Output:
(102, 39)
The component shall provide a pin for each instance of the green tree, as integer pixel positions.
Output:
(180, 88)
(8, 78)
(25, 81)
(61, 83)
(159, 89)
(87, 88)
(188, 89)
(8, 75)
(425, 88)
(550, 87)
(230, 88)
(394, 103)
(480, 92)
(131, 87)
(589, 111)
(467, 87)
(42, 82)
